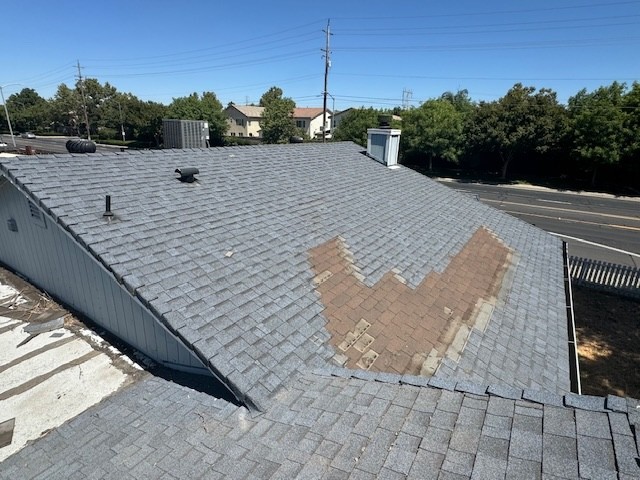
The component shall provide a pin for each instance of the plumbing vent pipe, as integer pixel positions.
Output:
(107, 208)
(186, 174)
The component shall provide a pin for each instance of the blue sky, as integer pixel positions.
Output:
(379, 49)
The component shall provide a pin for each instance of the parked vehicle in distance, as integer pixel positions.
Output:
(2, 144)
(28, 135)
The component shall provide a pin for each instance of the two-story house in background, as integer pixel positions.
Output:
(244, 120)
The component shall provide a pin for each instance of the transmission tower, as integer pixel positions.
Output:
(406, 98)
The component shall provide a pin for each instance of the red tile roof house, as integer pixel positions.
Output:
(366, 321)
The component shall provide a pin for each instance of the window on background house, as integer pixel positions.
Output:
(301, 123)
(240, 122)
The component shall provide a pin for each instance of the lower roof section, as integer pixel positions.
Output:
(323, 426)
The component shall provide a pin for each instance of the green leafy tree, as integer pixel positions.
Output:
(66, 110)
(433, 131)
(598, 126)
(146, 120)
(277, 118)
(206, 107)
(353, 127)
(99, 100)
(519, 125)
(460, 100)
(274, 93)
(28, 111)
(631, 106)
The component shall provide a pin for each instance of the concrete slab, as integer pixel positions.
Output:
(41, 364)
(57, 374)
(58, 399)
(9, 340)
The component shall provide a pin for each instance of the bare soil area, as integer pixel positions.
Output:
(608, 335)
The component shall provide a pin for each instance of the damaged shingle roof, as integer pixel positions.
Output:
(280, 262)
(325, 426)
(224, 262)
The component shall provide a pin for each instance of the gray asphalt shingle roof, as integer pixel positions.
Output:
(224, 261)
(327, 426)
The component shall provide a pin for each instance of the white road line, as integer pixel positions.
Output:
(516, 213)
(610, 215)
(582, 240)
(553, 201)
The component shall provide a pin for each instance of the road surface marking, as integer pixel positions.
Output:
(553, 201)
(582, 240)
(624, 227)
(610, 215)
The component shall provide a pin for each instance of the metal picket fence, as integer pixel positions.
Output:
(604, 275)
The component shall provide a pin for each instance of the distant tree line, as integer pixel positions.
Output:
(110, 113)
(595, 138)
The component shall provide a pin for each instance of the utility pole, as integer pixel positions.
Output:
(327, 64)
(121, 123)
(6, 112)
(84, 102)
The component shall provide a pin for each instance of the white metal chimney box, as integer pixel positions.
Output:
(383, 145)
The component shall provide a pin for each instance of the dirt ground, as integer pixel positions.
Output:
(608, 335)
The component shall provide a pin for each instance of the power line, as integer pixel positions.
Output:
(434, 77)
(219, 55)
(282, 57)
(491, 13)
(492, 46)
(440, 31)
(251, 41)
(403, 30)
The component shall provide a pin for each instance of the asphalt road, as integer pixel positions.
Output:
(587, 222)
(47, 144)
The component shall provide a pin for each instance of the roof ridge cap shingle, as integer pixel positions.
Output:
(610, 403)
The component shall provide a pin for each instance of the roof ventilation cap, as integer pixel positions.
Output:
(187, 174)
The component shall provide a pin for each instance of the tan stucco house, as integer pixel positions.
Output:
(244, 120)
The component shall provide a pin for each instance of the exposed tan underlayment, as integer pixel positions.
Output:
(391, 327)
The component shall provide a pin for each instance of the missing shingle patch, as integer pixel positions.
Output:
(411, 329)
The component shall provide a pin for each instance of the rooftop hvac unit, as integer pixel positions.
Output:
(185, 133)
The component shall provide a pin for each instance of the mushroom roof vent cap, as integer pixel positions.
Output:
(187, 174)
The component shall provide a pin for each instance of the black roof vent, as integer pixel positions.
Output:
(187, 174)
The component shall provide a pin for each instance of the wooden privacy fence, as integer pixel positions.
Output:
(604, 275)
